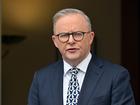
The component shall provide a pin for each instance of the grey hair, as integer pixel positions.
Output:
(68, 11)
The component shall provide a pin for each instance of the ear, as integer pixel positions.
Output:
(92, 34)
(55, 41)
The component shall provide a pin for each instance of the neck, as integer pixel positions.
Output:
(73, 63)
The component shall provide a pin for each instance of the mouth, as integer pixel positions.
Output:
(72, 50)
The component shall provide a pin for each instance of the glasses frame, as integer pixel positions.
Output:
(72, 33)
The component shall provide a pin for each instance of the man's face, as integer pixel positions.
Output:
(73, 51)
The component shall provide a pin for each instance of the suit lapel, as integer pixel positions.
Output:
(57, 85)
(91, 80)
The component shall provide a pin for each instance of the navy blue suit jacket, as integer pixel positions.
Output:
(104, 84)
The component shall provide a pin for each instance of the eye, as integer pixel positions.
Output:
(63, 35)
(78, 34)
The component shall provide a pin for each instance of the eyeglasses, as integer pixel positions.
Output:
(77, 36)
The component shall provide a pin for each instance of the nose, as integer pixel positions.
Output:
(71, 40)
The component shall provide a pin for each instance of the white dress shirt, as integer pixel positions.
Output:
(80, 76)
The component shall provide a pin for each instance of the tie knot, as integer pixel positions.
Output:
(74, 71)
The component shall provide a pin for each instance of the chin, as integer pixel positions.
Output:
(73, 56)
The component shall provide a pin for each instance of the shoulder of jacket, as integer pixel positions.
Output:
(50, 68)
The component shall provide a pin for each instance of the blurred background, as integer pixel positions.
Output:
(27, 45)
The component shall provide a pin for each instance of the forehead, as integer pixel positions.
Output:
(71, 22)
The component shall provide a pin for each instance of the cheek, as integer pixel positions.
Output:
(86, 46)
(87, 42)
(61, 48)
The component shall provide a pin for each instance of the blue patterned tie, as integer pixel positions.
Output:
(73, 89)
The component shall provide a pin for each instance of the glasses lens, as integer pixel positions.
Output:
(78, 36)
(63, 37)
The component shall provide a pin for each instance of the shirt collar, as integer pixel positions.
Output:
(82, 66)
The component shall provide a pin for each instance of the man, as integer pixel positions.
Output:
(80, 78)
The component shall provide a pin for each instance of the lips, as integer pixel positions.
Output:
(72, 50)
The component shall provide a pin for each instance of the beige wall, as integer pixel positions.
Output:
(33, 20)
